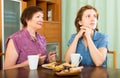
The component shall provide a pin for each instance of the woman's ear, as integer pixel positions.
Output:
(26, 20)
(79, 23)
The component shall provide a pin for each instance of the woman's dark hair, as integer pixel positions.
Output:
(28, 14)
(80, 14)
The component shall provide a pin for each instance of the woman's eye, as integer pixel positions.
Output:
(36, 16)
(88, 16)
(39, 16)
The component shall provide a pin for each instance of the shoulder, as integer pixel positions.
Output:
(101, 39)
(73, 35)
(71, 39)
(13, 38)
(17, 34)
(40, 36)
(99, 35)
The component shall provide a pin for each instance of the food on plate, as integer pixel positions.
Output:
(67, 69)
(70, 71)
(63, 66)
(76, 69)
(63, 69)
(50, 65)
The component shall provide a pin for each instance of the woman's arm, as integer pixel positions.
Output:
(11, 57)
(98, 55)
(72, 47)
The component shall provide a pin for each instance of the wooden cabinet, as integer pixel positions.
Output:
(52, 31)
(52, 20)
(50, 7)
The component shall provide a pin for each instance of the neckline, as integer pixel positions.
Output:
(29, 36)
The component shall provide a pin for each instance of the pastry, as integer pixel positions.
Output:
(67, 69)
(51, 65)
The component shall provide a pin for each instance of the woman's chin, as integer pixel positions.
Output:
(39, 27)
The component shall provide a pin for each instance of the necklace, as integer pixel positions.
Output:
(33, 37)
(32, 34)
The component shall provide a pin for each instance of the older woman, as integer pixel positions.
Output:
(27, 41)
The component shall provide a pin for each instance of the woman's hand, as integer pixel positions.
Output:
(52, 56)
(41, 58)
(80, 33)
(87, 31)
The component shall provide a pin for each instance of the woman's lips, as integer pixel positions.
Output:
(92, 23)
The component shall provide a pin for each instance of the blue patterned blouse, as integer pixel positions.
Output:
(99, 39)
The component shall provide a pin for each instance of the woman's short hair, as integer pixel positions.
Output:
(28, 13)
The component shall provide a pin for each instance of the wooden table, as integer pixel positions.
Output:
(87, 72)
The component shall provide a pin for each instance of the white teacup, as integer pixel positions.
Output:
(33, 61)
(75, 59)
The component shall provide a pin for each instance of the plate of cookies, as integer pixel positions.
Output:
(66, 69)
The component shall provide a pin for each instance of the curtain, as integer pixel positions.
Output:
(108, 21)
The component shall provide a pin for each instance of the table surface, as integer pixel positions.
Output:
(87, 72)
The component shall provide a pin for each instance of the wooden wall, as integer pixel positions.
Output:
(24, 5)
(0, 33)
(0, 26)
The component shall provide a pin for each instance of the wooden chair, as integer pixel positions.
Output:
(114, 57)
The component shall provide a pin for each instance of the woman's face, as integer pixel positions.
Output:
(36, 22)
(89, 19)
